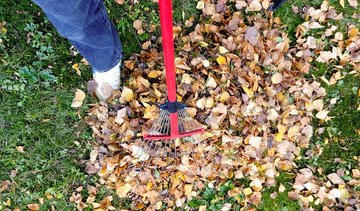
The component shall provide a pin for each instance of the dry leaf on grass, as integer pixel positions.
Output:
(78, 99)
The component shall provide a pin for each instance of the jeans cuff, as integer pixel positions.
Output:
(117, 61)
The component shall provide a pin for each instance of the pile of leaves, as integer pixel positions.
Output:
(241, 79)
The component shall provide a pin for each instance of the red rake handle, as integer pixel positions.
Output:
(165, 7)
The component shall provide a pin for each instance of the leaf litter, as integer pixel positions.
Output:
(244, 81)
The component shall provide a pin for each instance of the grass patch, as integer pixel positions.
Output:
(282, 201)
(53, 139)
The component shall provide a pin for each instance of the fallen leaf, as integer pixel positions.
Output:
(78, 99)
(186, 78)
(251, 35)
(20, 149)
(355, 173)
(335, 179)
(120, 116)
(76, 68)
(353, 3)
(93, 155)
(211, 83)
(249, 92)
(127, 95)
(122, 191)
(322, 114)
(281, 188)
(33, 207)
(247, 191)
(276, 78)
(137, 24)
(221, 60)
(254, 6)
(154, 74)
(342, 3)
(120, 1)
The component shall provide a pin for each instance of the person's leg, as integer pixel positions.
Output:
(87, 26)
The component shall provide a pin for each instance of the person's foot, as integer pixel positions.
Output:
(276, 4)
(107, 82)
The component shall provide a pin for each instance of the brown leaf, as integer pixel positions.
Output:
(335, 179)
(252, 35)
(120, 1)
(137, 24)
(33, 207)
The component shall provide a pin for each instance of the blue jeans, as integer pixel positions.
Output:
(86, 25)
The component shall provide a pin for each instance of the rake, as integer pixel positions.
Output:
(173, 122)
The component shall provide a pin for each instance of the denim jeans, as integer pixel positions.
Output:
(86, 25)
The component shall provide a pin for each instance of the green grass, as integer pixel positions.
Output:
(48, 131)
(282, 201)
(36, 90)
(37, 85)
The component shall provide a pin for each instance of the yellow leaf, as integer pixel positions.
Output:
(247, 191)
(293, 131)
(225, 96)
(353, 32)
(7, 202)
(342, 3)
(279, 137)
(154, 73)
(221, 60)
(149, 185)
(4, 30)
(127, 95)
(76, 68)
(78, 99)
(188, 190)
(200, 5)
(123, 190)
(150, 112)
(249, 92)
(281, 128)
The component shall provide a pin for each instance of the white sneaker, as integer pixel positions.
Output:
(107, 82)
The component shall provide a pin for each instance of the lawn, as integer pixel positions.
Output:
(45, 143)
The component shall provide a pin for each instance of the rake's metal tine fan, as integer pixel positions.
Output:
(173, 121)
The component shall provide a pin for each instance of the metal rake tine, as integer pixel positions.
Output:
(167, 125)
(157, 124)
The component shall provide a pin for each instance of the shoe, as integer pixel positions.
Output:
(107, 82)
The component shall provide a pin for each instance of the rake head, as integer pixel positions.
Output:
(172, 126)
(163, 126)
